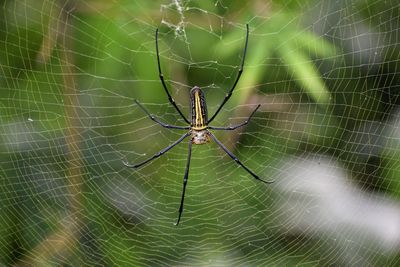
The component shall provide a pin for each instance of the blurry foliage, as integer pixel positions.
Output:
(113, 54)
(282, 37)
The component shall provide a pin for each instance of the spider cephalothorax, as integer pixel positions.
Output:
(200, 137)
(199, 124)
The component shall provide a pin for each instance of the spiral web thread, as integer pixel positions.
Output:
(71, 72)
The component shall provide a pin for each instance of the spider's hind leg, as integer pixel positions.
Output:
(185, 179)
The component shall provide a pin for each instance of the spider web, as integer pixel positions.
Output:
(325, 72)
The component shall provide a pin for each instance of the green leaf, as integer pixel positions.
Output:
(305, 73)
(316, 45)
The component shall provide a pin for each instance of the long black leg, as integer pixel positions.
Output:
(235, 126)
(158, 154)
(185, 179)
(237, 160)
(158, 121)
(160, 74)
(228, 95)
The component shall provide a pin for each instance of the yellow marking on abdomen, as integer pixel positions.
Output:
(199, 116)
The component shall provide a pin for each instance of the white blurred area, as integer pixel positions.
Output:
(318, 201)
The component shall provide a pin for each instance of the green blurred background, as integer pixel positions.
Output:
(325, 72)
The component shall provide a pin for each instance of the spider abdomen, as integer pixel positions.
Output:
(199, 118)
(200, 137)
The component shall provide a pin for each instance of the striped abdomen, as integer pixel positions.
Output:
(199, 109)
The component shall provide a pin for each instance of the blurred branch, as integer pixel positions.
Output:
(50, 40)
(63, 242)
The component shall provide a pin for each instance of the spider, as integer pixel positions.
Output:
(199, 124)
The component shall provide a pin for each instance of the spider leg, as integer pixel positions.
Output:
(238, 125)
(158, 154)
(161, 75)
(158, 121)
(228, 95)
(230, 154)
(185, 178)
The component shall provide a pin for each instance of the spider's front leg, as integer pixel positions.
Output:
(161, 75)
(229, 94)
